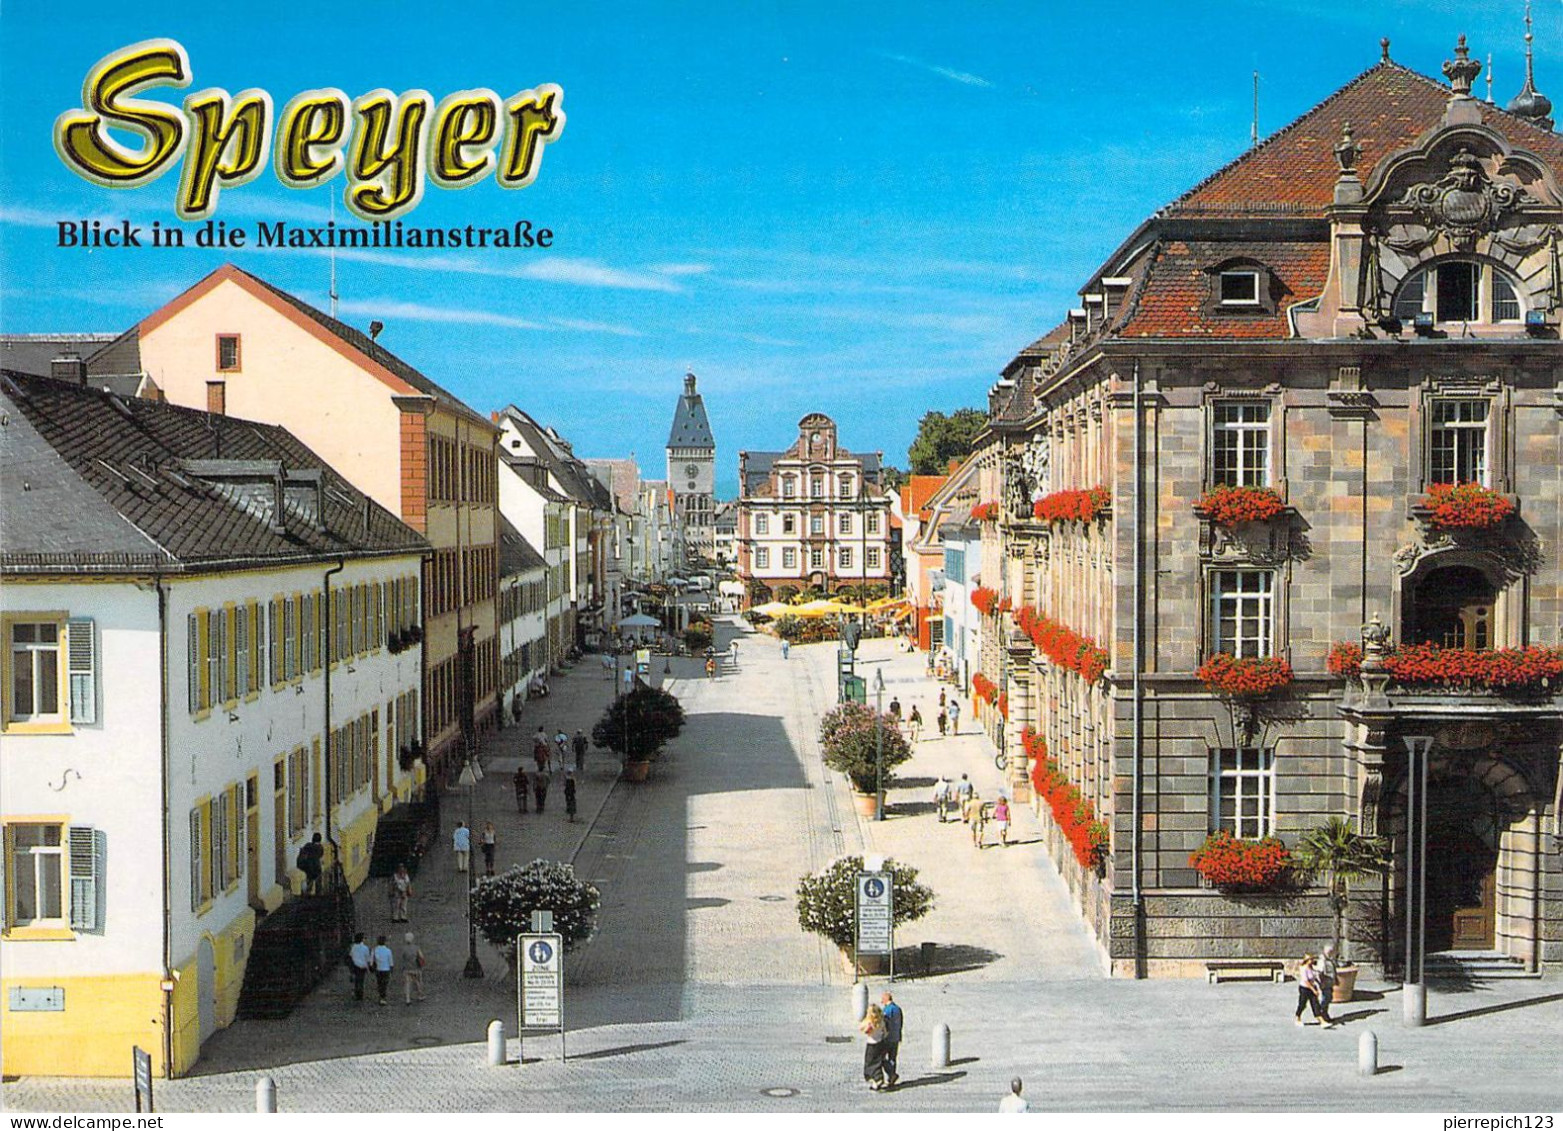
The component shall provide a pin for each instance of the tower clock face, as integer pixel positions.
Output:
(691, 470)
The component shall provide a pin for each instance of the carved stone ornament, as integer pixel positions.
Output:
(1025, 472)
(1375, 639)
(1465, 202)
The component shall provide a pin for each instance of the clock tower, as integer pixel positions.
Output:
(692, 476)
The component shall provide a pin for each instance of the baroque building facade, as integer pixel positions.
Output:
(813, 516)
(1277, 503)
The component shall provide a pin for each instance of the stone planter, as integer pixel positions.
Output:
(867, 804)
(1345, 982)
(866, 963)
(637, 771)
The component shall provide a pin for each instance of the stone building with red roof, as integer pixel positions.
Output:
(1277, 502)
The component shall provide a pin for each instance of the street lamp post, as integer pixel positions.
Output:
(879, 743)
(1413, 990)
(469, 778)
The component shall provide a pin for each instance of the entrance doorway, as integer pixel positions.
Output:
(1462, 853)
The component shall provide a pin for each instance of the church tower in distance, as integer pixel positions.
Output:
(692, 477)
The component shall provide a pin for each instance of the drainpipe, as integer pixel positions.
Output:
(168, 894)
(1138, 685)
(330, 622)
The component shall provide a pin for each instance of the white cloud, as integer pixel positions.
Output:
(933, 68)
(420, 312)
(588, 273)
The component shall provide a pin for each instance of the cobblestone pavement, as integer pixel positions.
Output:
(700, 993)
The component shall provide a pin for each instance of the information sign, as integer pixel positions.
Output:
(141, 1071)
(541, 976)
(875, 913)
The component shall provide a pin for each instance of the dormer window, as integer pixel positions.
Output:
(1239, 288)
(1459, 290)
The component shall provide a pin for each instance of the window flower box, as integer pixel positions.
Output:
(1465, 506)
(984, 599)
(1064, 646)
(985, 512)
(1235, 865)
(1073, 506)
(1075, 816)
(1523, 671)
(1229, 506)
(984, 688)
(1251, 678)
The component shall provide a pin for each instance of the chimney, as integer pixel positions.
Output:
(69, 367)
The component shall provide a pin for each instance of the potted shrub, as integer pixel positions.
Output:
(502, 905)
(848, 738)
(637, 725)
(1342, 855)
(827, 899)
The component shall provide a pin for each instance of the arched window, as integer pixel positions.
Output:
(1459, 290)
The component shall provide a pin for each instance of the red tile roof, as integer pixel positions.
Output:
(1293, 172)
(918, 490)
(1175, 299)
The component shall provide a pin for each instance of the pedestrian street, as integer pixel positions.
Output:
(700, 992)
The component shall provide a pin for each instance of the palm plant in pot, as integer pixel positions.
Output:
(1341, 855)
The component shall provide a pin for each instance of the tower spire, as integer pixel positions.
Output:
(1530, 103)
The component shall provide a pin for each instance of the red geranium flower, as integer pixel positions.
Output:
(1073, 506)
(1228, 506)
(1466, 506)
(1245, 678)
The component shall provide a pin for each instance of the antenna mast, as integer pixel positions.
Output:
(333, 260)
(1253, 133)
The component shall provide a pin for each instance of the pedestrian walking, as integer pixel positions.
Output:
(561, 746)
(380, 961)
(607, 666)
(954, 714)
(711, 668)
(569, 796)
(358, 964)
(521, 786)
(540, 789)
(786, 649)
(413, 963)
(1308, 993)
(978, 810)
(401, 892)
(461, 841)
(943, 720)
(1327, 968)
(963, 794)
(311, 857)
(490, 846)
(579, 745)
(893, 1021)
(1001, 819)
(941, 700)
(539, 738)
(941, 797)
(540, 751)
(515, 709)
(895, 708)
(915, 724)
(873, 1029)
(1014, 1102)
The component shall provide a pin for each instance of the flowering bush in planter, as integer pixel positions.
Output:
(1228, 506)
(827, 899)
(849, 740)
(1250, 678)
(985, 512)
(1522, 670)
(502, 905)
(1073, 506)
(1466, 506)
(1242, 865)
(1064, 646)
(983, 599)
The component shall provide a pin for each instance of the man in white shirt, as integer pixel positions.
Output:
(1014, 1102)
(358, 964)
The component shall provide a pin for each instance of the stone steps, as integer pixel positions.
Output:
(1475, 965)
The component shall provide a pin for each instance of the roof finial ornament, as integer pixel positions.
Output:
(1348, 188)
(1489, 78)
(1530, 103)
(1383, 47)
(1462, 72)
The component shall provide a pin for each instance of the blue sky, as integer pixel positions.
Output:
(864, 210)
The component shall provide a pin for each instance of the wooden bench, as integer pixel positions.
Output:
(1245, 970)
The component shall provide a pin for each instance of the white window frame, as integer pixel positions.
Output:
(762, 524)
(871, 522)
(762, 557)
(844, 557)
(789, 557)
(1250, 275)
(1238, 775)
(1246, 598)
(789, 524)
(1462, 446)
(817, 557)
(816, 524)
(1240, 443)
(35, 856)
(40, 657)
(873, 557)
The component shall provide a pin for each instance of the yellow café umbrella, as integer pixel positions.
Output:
(774, 609)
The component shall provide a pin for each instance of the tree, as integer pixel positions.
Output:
(1342, 855)
(827, 899)
(502, 905)
(851, 744)
(892, 478)
(941, 438)
(636, 726)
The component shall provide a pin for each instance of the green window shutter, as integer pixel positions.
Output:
(82, 654)
(87, 852)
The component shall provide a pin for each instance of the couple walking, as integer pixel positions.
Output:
(1315, 988)
(881, 1027)
(363, 960)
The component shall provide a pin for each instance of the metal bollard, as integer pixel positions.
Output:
(265, 1096)
(496, 1043)
(1367, 1053)
(859, 1002)
(941, 1046)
